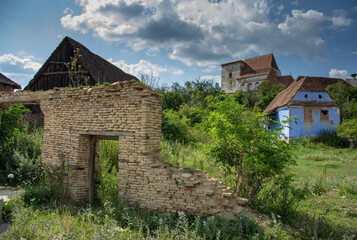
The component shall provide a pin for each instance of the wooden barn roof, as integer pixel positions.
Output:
(7, 81)
(100, 69)
(313, 84)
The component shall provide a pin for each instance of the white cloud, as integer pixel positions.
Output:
(20, 67)
(177, 71)
(340, 18)
(215, 78)
(335, 73)
(202, 32)
(341, 21)
(68, 10)
(143, 67)
(353, 53)
(25, 62)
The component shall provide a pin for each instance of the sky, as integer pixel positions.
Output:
(183, 40)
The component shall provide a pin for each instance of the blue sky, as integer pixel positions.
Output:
(182, 40)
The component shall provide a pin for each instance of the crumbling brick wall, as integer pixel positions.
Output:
(72, 115)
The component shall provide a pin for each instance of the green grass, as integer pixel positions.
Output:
(313, 158)
(329, 211)
(120, 221)
(331, 175)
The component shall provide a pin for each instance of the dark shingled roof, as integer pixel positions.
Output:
(286, 80)
(313, 84)
(322, 81)
(98, 67)
(7, 81)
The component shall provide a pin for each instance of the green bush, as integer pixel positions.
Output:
(20, 148)
(244, 146)
(53, 188)
(177, 127)
(348, 130)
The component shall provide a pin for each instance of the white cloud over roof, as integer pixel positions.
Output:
(335, 73)
(202, 32)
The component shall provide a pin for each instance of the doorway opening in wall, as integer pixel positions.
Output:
(104, 178)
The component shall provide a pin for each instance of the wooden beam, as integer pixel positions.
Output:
(61, 73)
(60, 62)
(34, 98)
(109, 134)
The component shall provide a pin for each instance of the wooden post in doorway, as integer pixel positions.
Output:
(91, 169)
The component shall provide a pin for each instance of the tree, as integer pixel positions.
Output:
(150, 80)
(172, 100)
(266, 93)
(242, 144)
(346, 97)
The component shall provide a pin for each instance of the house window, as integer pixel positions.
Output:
(324, 115)
(320, 96)
(306, 96)
(230, 75)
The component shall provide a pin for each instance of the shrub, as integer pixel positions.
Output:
(53, 188)
(239, 140)
(177, 127)
(20, 148)
(348, 130)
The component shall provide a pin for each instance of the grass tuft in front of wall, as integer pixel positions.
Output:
(119, 221)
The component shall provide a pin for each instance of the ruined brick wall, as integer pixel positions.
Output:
(123, 107)
(72, 115)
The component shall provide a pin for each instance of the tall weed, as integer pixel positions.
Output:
(330, 138)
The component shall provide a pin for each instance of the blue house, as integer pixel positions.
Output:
(306, 100)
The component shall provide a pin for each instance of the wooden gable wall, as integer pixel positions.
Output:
(55, 73)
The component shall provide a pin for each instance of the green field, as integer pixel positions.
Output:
(328, 211)
(331, 176)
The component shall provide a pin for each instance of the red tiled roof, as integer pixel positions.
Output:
(315, 81)
(313, 84)
(263, 63)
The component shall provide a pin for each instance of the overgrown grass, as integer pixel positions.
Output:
(326, 181)
(120, 221)
(331, 176)
(329, 210)
(25, 158)
(107, 181)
